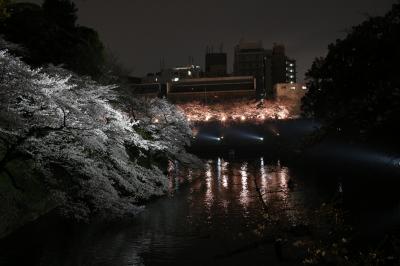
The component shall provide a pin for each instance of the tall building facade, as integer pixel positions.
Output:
(216, 64)
(291, 76)
(251, 59)
(268, 66)
(283, 67)
(278, 64)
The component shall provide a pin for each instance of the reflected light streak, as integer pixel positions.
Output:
(283, 180)
(244, 194)
(209, 194)
(263, 173)
(224, 176)
(219, 169)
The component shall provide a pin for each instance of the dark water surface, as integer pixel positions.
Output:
(214, 219)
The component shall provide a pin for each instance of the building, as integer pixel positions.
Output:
(211, 89)
(173, 74)
(251, 59)
(269, 67)
(180, 72)
(291, 94)
(291, 74)
(278, 64)
(216, 64)
(283, 68)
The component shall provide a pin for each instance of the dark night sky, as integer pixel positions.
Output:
(140, 32)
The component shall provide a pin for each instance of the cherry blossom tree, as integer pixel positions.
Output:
(94, 156)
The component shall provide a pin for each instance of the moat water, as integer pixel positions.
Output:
(217, 218)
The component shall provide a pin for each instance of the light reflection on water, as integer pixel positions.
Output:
(264, 177)
(227, 190)
(209, 197)
(214, 214)
(224, 170)
(244, 193)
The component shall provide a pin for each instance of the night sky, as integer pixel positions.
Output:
(141, 32)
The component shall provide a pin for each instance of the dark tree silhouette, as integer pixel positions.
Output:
(4, 9)
(355, 89)
(61, 12)
(50, 35)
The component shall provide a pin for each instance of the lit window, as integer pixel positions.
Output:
(292, 88)
(304, 87)
(175, 79)
(189, 73)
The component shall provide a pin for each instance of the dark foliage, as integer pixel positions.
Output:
(60, 12)
(355, 89)
(50, 34)
(4, 9)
